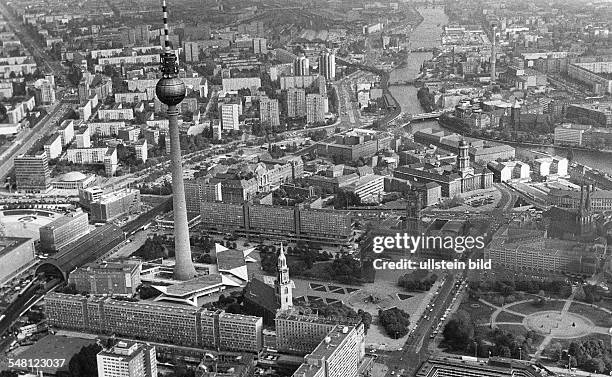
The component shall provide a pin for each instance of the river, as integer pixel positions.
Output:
(427, 34)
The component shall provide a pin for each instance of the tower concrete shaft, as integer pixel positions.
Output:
(170, 90)
(183, 269)
(493, 56)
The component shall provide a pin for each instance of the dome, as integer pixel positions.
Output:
(170, 91)
(72, 176)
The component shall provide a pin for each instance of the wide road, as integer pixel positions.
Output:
(27, 138)
(52, 65)
(415, 350)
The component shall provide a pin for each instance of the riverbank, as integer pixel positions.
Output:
(522, 144)
(384, 82)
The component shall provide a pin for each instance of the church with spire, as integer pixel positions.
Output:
(264, 296)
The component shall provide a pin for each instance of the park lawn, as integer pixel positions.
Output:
(597, 316)
(509, 317)
(479, 312)
(534, 307)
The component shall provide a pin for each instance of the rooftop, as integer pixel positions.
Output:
(189, 287)
(8, 244)
(61, 221)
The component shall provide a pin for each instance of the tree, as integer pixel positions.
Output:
(366, 319)
(395, 322)
(595, 365)
(84, 363)
(153, 248)
(3, 112)
(459, 331)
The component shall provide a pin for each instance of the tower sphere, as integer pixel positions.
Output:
(170, 90)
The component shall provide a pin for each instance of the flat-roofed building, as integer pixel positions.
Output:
(298, 222)
(53, 147)
(296, 102)
(269, 112)
(599, 200)
(127, 359)
(229, 113)
(15, 255)
(368, 188)
(32, 173)
(467, 366)
(339, 354)
(163, 322)
(518, 249)
(66, 131)
(315, 108)
(233, 84)
(114, 204)
(88, 195)
(600, 112)
(63, 231)
(570, 134)
(299, 333)
(240, 333)
(112, 278)
(201, 190)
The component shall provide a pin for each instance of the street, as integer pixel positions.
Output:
(28, 137)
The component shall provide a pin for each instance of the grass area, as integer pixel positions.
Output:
(599, 317)
(479, 312)
(535, 306)
(509, 317)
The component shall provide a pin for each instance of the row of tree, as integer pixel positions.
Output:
(591, 355)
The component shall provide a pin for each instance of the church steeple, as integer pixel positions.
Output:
(283, 285)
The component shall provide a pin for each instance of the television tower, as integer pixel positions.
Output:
(493, 55)
(170, 90)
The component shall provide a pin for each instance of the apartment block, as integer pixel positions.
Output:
(240, 333)
(155, 322)
(315, 108)
(53, 147)
(201, 190)
(296, 102)
(229, 113)
(269, 112)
